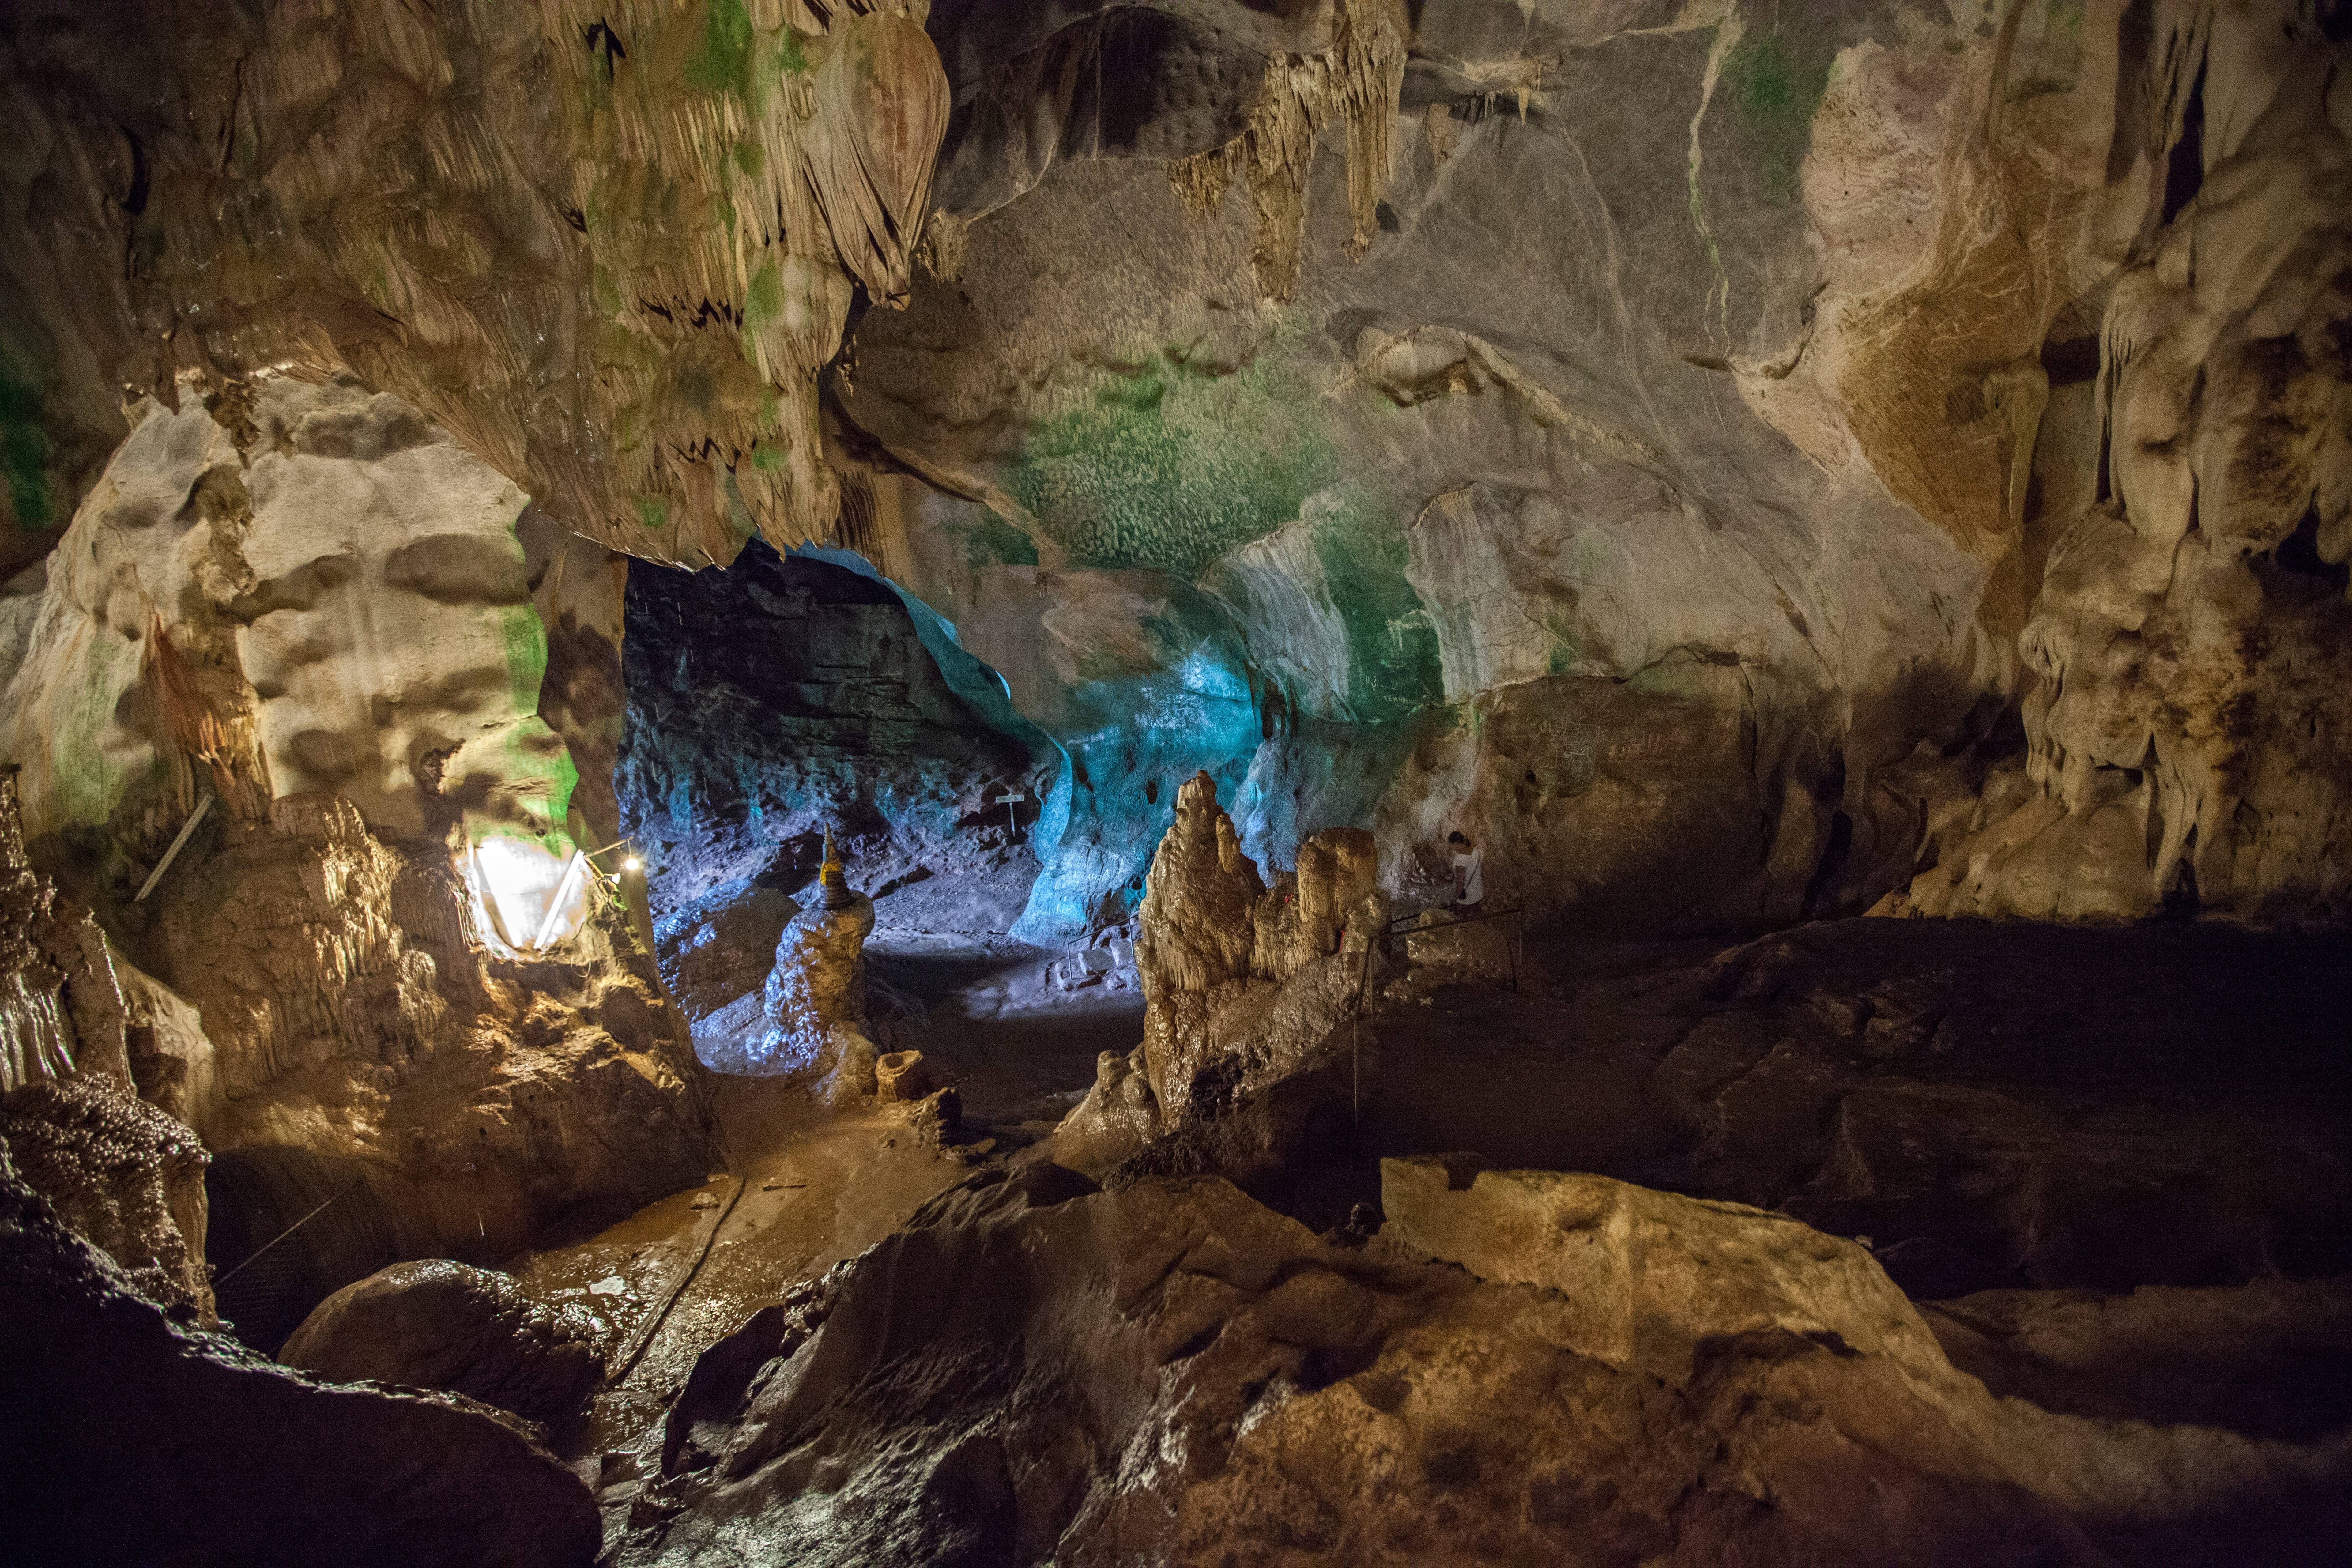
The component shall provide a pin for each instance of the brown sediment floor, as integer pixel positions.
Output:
(806, 1186)
(815, 1186)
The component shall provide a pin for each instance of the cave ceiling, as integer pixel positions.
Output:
(1404, 414)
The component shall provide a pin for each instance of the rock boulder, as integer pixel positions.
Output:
(436, 1324)
(1035, 1370)
(135, 1439)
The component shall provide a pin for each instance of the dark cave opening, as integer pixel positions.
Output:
(2184, 168)
(287, 1230)
(787, 696)
(2298, 553)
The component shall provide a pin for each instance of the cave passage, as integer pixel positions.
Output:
(821, 708)
(734, 741)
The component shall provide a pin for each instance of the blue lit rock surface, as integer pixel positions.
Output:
(1475, 438)
(823, 708)
(814, 1003)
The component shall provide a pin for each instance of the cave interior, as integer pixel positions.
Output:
(1248, 782)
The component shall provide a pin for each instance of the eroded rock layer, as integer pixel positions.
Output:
(1610, 429)
(1638, 433)
(1035, 1370)
(294, 632)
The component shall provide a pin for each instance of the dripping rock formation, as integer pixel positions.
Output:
(611, 248)
(125, 1176)
(1241, 983)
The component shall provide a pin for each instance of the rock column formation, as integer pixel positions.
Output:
(815, 998)
(1241, 983)
(2191, 730)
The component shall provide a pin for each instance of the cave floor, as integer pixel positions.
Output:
(1018, 1047)
(806, 1185)
(2040, 1121)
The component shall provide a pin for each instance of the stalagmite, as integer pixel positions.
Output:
(815, 996)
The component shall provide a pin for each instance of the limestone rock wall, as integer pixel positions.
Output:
(306, 607)
(1637, 433)
(1617, 431)
(126, 1175)
(122, 1174)
(607, 247)
(2189, 738)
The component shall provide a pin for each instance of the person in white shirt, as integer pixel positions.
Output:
(1469, 873)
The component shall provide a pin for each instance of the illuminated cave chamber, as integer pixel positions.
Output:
(1846, 510)
(787, 696)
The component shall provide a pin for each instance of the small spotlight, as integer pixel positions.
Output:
(632, 864)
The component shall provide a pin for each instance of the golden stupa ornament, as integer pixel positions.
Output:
(833, 878)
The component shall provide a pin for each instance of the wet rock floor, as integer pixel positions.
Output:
(805, 1186)
(2117, 1159)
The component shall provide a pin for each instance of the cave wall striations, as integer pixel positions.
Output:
(2190, 729)
(308, 605)
(1635, 434)
(606, 246)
